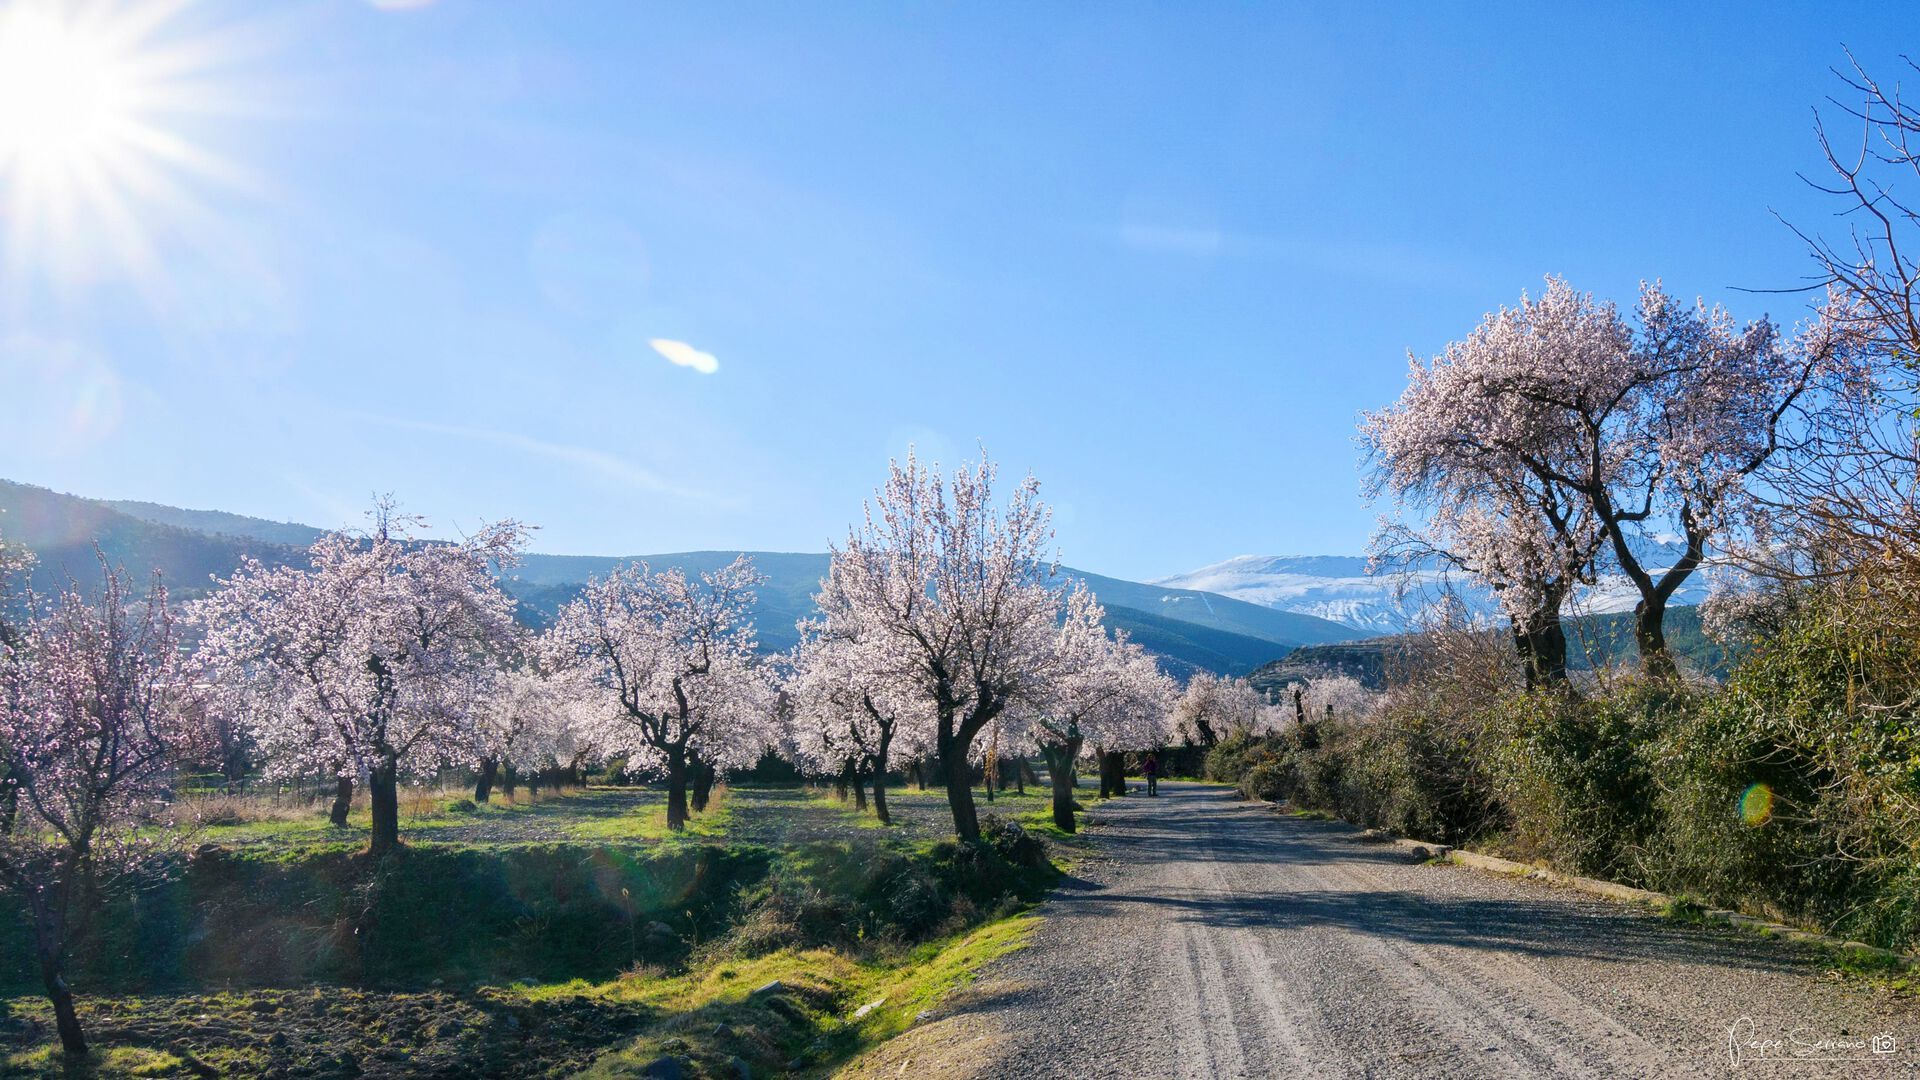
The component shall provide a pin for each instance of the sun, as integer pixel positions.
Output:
(65, 97)
(91, 169)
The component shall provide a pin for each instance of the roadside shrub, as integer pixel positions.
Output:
(1274, 779)
(1232, 757)
(1792, 791)
(1014, 844)
(1575, 778)
(837, 894)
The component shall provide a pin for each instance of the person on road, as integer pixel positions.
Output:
(1151, 767)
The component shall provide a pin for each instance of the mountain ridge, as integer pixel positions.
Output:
(1340, 588)
(1189, 629)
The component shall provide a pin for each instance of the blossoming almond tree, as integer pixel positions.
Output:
(372, 656)
(1656, 427)
(93, 703)
(13, 562)
(847, 713)
(674, 659)
(1102, 692)
(1214, 707)
(529, 721)
(1530, 542)
(954, 594)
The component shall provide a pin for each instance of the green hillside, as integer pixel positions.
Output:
(62, 531)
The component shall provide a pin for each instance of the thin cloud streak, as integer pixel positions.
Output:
(610, 466)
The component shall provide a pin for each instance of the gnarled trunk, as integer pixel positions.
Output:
(880, 775)
(1650, 634)
(677, 787)
(952, 745)
(703, 775)
(50, 946)
(483, 785)
(342, 801)
(383, 799)
(1060, 770)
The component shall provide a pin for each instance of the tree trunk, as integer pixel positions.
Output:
(859, 789)
(1650, 633)
(703, 774)
(342, 801)
(966, 820)
(843, 779)
(483, 787)
(880, 776)
(383, 798)
(1548, 645)
(1060, 770)
(677, 788)
(50, 932)
(920, 773)
(509, 780)
(953, 748)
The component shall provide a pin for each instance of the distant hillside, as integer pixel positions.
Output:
(62, 530)
(1593, 641)
(1189, 629)
(220, 523)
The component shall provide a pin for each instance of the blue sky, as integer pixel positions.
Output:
(1161, 256)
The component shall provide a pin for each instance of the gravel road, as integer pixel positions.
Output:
(1213, 938)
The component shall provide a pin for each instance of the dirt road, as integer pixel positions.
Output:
(1215, 938)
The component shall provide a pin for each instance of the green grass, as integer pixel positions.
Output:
(650, 824)
(1685, 909)
(504, 929)
(823, 798)
(109, 1062)
(712, 1015)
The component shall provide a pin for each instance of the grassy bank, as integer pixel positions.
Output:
(289, 953)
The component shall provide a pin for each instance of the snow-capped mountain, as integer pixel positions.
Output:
(1339, 588)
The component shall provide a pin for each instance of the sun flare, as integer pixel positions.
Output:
(90, 169)
(65, 96)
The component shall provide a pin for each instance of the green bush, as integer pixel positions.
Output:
(1575, 777)
(457, 914)
(835, 894)
(1793, 790)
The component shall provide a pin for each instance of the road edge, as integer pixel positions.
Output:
(1422, 851)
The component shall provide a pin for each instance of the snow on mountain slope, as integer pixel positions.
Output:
(1338, 588)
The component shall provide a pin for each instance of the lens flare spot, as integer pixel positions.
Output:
(1756, 804)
